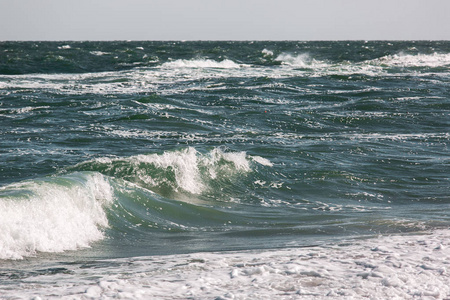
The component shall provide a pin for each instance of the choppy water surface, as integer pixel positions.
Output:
(143, 148)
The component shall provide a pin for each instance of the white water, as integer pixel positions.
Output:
(419, 60)
(200, 63)
(66, 213)
(144, 80)
(388, 267)
(303, 60)
(186, 165)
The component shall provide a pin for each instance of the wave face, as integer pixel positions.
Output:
(119, 149)
(186, 170)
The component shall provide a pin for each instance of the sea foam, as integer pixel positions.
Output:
(166, 76)
(53, 215)
(418, 60)
(303, 60)
(389, 267)
(201, 63)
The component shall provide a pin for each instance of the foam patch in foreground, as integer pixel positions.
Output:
(395, 267)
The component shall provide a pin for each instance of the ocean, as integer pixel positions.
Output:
(225, 170)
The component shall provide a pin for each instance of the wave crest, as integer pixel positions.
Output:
(201, 63)
(418, 60)
(185, 170)
(53, 215)
(303, 60)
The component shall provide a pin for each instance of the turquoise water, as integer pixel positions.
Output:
(122, 149)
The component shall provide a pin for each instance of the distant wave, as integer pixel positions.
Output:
(371, 66)
(418, 60)
(269, 64)
(201, 63)
(303, 60)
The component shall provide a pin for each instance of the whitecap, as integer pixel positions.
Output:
(418, 60)
(201, 63)
(99, 53)
(266, 52)
(53, 215)
(303, 60)
(263, 161)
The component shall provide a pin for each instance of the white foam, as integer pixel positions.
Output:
(192, 170)
(52, 216)
(400, 136)
(187, 163)
(27, 109)
(184, 163)
(99, 53)
(418, 60)
(165, 78)
(239, 159)
(300, 60)
(263, 161)
(387, 267)
(374, 67)
(303, 60)
(266, 52)
(144, 133)
(201, 63)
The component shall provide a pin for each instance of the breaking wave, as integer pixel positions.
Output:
(303, 60)
(418, 60)
(53, 214)
(71, 211)
(181, 171)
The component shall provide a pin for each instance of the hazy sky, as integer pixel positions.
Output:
(224, 19)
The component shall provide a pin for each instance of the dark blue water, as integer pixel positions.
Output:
(141, 148)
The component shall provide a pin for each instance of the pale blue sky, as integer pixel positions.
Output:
(224, 19)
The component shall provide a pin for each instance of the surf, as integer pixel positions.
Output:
(53, 214)
(167, 192)
(185, 171)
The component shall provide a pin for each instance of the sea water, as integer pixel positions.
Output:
(224, 170)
